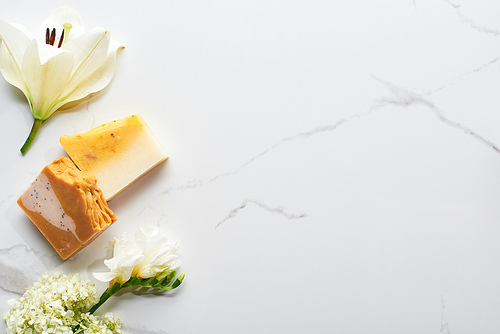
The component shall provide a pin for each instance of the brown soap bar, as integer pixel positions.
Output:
(67, 207)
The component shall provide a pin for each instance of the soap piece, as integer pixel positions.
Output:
(117, 153)
(67, 207)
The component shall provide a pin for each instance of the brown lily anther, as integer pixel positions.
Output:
(50, 37)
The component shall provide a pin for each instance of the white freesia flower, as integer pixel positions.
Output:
(61, 63)
(145, 255)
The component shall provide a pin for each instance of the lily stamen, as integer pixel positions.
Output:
(50, 37)
(61, 39)
(53, 36)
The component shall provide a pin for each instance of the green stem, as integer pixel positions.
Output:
(164, 284)
(33, 132)
(105, 296)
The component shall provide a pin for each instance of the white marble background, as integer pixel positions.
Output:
(334, 165)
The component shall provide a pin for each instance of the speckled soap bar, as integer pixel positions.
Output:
(67, 207)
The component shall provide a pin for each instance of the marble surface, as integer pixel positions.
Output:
(334, 165)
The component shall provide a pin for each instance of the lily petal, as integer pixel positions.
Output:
(102, 76)
(46, 52)
(45, 80)
(95, 64)
(15, 41)
(89, 51)
(57, 19)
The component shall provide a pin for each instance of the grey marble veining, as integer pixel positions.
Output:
(404, 98)
(277, 210)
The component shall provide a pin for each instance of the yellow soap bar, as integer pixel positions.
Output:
(117, 153)
(67, 207)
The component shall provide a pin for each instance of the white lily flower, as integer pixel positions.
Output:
(145, 255)
(61, 63)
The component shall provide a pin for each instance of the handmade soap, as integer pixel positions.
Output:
(117, 153)
(67, 207)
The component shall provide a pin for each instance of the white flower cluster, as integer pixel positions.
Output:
(91, 325)
(57, 304)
